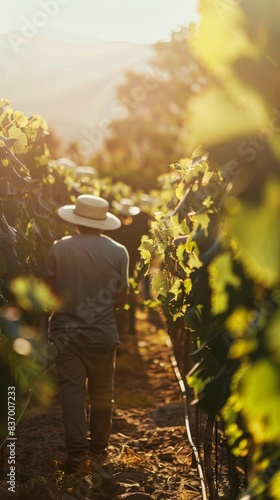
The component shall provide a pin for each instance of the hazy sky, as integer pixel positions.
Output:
(143, 21)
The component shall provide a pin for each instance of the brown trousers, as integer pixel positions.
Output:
(83, 369)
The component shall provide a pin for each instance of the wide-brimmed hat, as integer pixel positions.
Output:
(125, 207)
(90, 211)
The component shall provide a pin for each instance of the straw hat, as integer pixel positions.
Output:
(90, 211)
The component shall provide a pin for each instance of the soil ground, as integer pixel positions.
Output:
(149, 456)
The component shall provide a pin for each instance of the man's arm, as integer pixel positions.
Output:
(121, 298)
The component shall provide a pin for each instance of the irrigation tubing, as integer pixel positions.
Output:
(187, 422)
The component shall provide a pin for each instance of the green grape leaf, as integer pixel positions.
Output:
(257, 231)
(225, 19)
(238, 321)
(200, 221)
(43, 160)
(194, 262)
(21, 143)
(161, 282)
(259, 393)
(208, 202)
(242, 347)
(176, 288)
(275, 486)
(188, 285)
(218, 106)
(33, 295)
(37, 122)
(221, 275)
(177, 315)
(196, 382)
(146, 255)
(20, 118)
(3, 103)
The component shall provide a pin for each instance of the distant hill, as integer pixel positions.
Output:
(70, 81)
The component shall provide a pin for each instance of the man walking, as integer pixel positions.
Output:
(89, 272)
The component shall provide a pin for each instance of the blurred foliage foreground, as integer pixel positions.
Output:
(219, 243)
(215, 235)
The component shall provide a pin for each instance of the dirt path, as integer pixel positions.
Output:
(148, 454)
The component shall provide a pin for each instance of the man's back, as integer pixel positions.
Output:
(88, 270)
